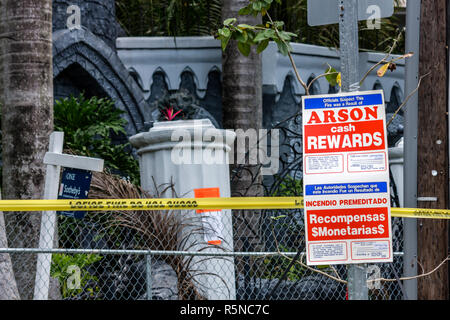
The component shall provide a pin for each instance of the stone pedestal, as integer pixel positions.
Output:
(193, 154)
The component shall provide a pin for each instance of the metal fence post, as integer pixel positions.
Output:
(357, 282)
(349, 48)
(149, 282)
(348, 38)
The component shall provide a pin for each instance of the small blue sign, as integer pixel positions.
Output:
(344, 101)
(345, 188)
(75, 184)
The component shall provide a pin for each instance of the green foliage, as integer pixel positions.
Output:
(332, 76)
(203, 17)
(256, 7)
(169, 17)
(288, 187)
(67, 268)
(181, 101)
(275, 266)
(289, 24)
(294, 14)
(259, 35)
(89, 125)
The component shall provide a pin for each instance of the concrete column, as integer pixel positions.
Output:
(193, 154)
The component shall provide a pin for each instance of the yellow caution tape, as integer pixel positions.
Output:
(420, 213)
(243, 203)
(153, 204)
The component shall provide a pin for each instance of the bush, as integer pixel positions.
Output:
(288, 187)
(89, 126)
(70, 270)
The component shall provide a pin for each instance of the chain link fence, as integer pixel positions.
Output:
(142, 255)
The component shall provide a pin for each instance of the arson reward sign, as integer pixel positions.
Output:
(346, 179)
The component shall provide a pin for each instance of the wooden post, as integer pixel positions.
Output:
(432, 149)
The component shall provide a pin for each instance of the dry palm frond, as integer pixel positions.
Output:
(159, 230)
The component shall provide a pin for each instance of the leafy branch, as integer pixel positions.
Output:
(391, 49)
(338, 279)
(406, 99)
(259, 35)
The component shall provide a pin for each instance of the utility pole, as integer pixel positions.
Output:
(432, 149)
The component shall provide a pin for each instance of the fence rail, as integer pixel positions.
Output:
(155, 252)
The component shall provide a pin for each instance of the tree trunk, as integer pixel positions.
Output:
(8, 287)
(432, 150)
(242, 109)
(26, 96)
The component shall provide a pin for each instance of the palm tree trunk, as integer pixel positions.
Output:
(26, 96)
(8, 287)
(242, 78)
(242, 109)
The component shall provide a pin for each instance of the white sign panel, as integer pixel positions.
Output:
(346, 179)
(323, 12)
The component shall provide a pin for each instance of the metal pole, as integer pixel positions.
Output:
(148, 263)
(410, 147)
(348, 38)
(349, 48)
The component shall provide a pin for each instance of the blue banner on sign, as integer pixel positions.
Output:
(345, 188)
(343, 101)
(75, 184)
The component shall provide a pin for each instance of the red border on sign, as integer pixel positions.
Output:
(385, 162)
(318, 242)
(361, 127)
(342, 224)
(329, 154)
(351, 251)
